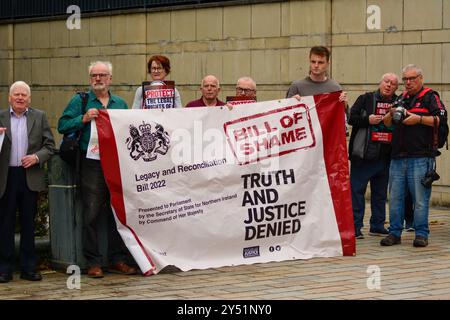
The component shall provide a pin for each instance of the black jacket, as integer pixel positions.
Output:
(359, 118)
(417, 140)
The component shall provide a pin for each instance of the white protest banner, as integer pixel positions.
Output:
(93, 150)
(211, 187)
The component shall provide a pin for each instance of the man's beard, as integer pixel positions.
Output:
(98, 86)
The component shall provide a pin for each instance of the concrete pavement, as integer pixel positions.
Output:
(405, 273)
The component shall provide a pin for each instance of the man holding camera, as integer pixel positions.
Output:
(413, 116)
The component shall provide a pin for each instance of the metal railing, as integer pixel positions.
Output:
(20, 9)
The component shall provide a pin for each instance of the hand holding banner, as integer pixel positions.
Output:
(211, 187)
(93, 150)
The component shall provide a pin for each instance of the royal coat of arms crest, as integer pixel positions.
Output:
(145, 144)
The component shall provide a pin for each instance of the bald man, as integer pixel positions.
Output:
(210, 88)
(370, 158)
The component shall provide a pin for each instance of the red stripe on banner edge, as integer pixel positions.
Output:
(110, 161)
(332, 117)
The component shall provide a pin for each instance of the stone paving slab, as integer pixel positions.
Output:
(405, 273)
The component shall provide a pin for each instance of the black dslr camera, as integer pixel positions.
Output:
(430, 176)
(399, 113)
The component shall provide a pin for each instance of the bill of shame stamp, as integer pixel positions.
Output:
(270, 134)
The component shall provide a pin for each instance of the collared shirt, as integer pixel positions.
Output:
(19, 135)
(71, 119)
(201, 103)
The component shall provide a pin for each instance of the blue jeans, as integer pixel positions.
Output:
(377, 172)
(405, 174)
(409, 212)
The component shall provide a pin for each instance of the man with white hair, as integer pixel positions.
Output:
(95, 193)
(370, 154)
(210, 88)
(413, 155)
(28, 144)
(246, 86)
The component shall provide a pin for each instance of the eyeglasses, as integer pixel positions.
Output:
(405, 79)
(158, 69)
(244, 90)
(101, 75)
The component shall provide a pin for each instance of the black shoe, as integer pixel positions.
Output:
(420, 241)
(390, 240)
(5, 277)
(359, 235)
(378, 232)
(31, 276)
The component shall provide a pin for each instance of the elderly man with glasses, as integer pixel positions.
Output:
(246, 86)
(95, 193)
(413, 155)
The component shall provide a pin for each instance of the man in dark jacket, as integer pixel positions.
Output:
(413, 155)
(369, 152)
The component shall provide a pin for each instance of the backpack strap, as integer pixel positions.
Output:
(374, 102)
(418, 96)
(424, 92)
(84, 101)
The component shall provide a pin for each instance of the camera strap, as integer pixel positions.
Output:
(435, 133)
(418, 96)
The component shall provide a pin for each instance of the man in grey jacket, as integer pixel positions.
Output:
(28, 144)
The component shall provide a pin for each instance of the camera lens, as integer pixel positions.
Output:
(398, 115)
